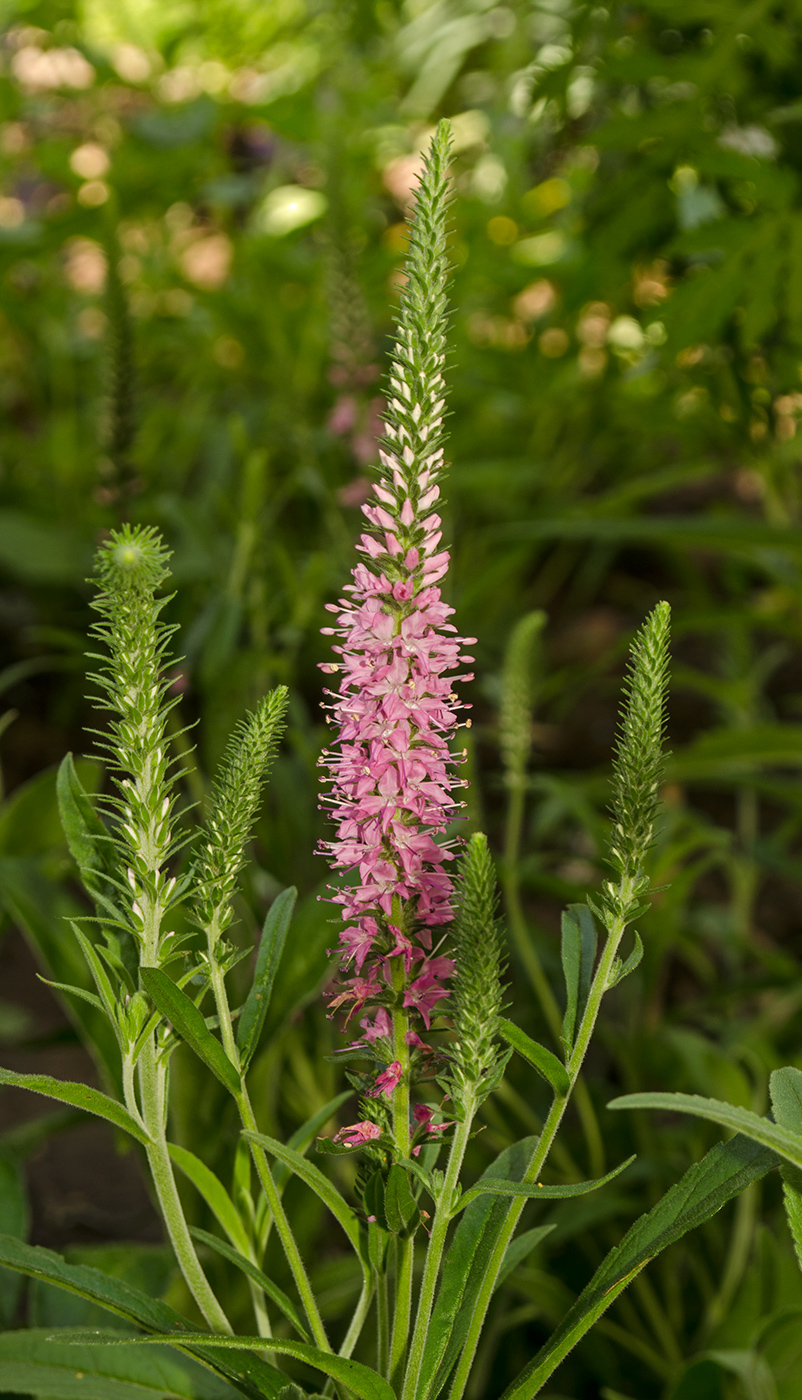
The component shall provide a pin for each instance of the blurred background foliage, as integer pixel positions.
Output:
(201, 226)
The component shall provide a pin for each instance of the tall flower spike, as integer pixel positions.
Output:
(477, 1059)
(130, 566)
(391, 773)
(639, 762)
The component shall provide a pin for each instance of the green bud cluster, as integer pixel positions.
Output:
(477, 1059)
(518, 696)
(130, 566)
(235, 802)
(639, 763)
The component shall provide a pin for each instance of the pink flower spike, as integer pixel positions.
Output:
(357, 1134)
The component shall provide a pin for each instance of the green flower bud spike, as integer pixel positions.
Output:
(477, 1059)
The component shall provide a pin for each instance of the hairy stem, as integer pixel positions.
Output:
(405, 1259)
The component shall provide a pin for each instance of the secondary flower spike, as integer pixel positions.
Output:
(391, 773)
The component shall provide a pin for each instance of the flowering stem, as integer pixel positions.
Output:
(382, 1323)
(152, 1091)
(434, 1253)
(541, 1152)
(283, 1225)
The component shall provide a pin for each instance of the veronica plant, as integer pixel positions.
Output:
(421, 958)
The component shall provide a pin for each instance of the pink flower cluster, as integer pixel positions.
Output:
(392, 773)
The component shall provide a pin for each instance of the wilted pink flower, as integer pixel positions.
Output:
(387, 1081)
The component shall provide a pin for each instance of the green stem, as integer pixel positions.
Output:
(533, 968)
(282, 1224)
(152, 1092)
(434, 1253)
(358, 1320)
(382, 1324)
(541, 1152)
(405, 1258)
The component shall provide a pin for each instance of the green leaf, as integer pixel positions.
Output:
(578, 957)
(785, 1086)
(304, 1135)
(252, 1271)
(314, 1178)
(519, 1249)
(213, 1192)
(39, 908)
(536, 1055)
(80, 1096)
(740, 1120)
(466, 1261)
(14, 1220)
(400, 1206)
(358, 1378)
(620, 970)
(536, 1190)
(271, 947)
(36, 1361)
(187, 1020)
(254, 1377)
(723, 1173)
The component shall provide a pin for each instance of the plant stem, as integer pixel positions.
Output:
(434, 1253)
(541, 1152)
(283, 1225)
(405, 1258)
(382, 1324)
(152, 1092)
(533, 968)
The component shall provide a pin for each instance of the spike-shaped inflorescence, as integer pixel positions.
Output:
(639, 762)
(477, 1057)
(391, 773)
(131, 565)
(235, 802)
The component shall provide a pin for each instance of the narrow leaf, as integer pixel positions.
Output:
(785, 1086)
(80, 1096)
(578, 957)
(399, 1203)
(271, 947)
(621, 969)
(315, 1179)
(740, 1120)
(304, 1135)
(34, 1361)
(276, 1294)
(537, 1191)
(184, 1017)
(536, 1055)
(213, 1192)
(254, 1377)
(722, 1174)
(465, 1264)
(360, 1379)
(519, 1249)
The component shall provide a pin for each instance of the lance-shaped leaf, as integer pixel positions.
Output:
(536, 1055)
(252, 1271)
(213, 1192)
(79, 1096)
(35, 1361)
(723, 1173)
(578, 957)
(271, 947)
(187, 1020)
(519, 1249)
(785, 1087)
(315, 1179)
(740, 1120)
(363, 1381)
(535, 1190)
(254, 1377)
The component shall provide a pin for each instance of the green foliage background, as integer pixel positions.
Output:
(201, 219)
